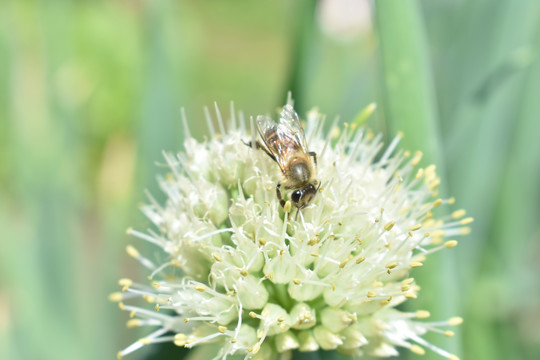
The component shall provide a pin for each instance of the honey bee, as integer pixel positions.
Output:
(286, 144)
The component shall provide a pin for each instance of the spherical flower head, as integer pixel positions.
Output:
(239, 270)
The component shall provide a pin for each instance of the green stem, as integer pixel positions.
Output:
(409, 105)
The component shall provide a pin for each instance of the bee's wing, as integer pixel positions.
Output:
(289, 118)
(280, 140)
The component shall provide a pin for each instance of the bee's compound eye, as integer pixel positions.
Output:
(296, 195)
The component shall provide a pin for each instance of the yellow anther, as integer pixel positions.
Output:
(431, 169)
(200, 288)
(271, 276)
(405, 288)
(458, 214)
(180, 339)
(434, 185)
(408, 281)
(419, 258)
(262, 241)
(313, 241)
(134, 253)
(360, 259)
(132, 314)
(391, 265)
(416, 264)
(281, 319)
(377, 284)
(454, 321)
(129, 230)
(419, 174)
(450, 243)
(448, 333)
(437, 202)
(436, 240)
(186, 319)
(452, 357)
(145, 341)
(149, 298)
(121, 306)
(217, 257)
(389, 226)
(156, 307)
(417, 350)
(343, 263)
(233, 341)
(411, 296)
(333, 286)
(371, 294)
(315, 254)
(416, 158)
(125, 283)
(287, 207)
(222, 329)
(115, 297)
(452, 200)
(156, 284)
(466, 221)
(244, 272)
(255, 348)
(422, 314)
(252, 314)
(281, 252)
(465, 230)
(438, 233)
(415, 227)
(132, 323)
(427, 234)
(119, 355)
(297, 281)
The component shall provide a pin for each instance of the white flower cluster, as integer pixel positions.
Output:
(240, 271)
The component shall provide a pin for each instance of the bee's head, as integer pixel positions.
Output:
(300, 198)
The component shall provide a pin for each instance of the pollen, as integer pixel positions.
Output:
(450, 244)
(389, 225)
(418, 350)
(217, 257)
(115, 297)
(134, 253)
(422, 314)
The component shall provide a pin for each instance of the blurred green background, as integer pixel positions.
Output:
(90, 94)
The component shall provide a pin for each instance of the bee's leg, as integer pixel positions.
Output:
(258, 145)
(314, 155)
(280, 198)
